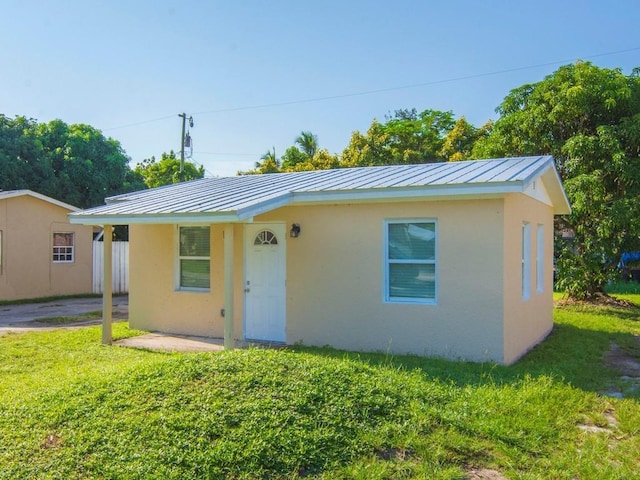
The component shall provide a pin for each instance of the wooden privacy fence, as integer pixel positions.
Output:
(120, 267)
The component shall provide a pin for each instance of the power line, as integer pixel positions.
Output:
(405, 87)
(380, 90)
(229, 154)
(139, 123)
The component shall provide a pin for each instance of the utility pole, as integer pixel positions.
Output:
(182, 138)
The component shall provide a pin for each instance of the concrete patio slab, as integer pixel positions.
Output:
(173, 343)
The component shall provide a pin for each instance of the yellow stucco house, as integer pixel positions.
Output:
(446, 259)
(41, 253)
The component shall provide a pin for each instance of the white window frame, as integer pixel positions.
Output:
(540, 259)
(526, 261)
(64, 253)
(178, 264)
(386, 261)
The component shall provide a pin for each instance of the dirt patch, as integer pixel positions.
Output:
(51, 441)
(610, 427)
(599, 299)
(626, 362)
(484, 474)
(395, 453)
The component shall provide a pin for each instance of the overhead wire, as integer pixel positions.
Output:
(379, 90)
(404, 87)
(363, 93)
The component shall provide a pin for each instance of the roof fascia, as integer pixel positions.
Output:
(553, 184)
(392, 193)
(148, 219)
(39, 196)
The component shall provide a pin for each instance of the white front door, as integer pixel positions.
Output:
(264, 282)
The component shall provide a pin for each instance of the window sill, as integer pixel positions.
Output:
(192, 290)
(405, 301)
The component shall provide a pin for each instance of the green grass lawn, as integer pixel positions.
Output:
(73, 409)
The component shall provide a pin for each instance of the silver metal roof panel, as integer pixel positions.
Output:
(243, 195)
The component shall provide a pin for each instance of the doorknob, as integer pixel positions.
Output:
(247, 290)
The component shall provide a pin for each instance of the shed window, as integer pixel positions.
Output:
(63, 247)
(410, 261)
(540, 259)
(194, 258)
(526, 261)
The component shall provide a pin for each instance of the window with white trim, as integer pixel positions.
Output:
(540, 259)
(194, 260)
(526, 261)
(410, 261)
(63, 247)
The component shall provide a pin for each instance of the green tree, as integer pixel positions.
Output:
(368, 149)
(72, 163)
(407, 137)
(459, 142)
(269, 164)
(588, 118)
(292, 157)
(308, 143)
(23, 161)
(167, 170)
(322, 160)
(302, 152)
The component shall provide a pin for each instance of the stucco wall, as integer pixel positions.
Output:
(335, 280)
(154, 302)
(28, 271)
(527, 321)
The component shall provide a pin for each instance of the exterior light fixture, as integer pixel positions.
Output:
(295, 230)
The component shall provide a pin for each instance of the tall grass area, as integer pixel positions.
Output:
(73, 409)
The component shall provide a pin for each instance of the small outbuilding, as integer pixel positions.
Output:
(41, 253)
(441, 259)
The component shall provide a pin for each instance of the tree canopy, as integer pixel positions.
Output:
(588, 118)
(76, 163)
(167, 170)
(406, 137)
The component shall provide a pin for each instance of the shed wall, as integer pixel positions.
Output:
(154, 302)
(28, 271)
(526, 321)
(335, 280)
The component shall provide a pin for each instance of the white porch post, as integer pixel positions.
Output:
(228, 287)
(107, 294)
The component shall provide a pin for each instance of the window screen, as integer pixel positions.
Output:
(411, 261)
(194, 257)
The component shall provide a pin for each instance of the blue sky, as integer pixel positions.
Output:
(244, 69)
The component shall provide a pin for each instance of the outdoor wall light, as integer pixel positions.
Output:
(295, 230)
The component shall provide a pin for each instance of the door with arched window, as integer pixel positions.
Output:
(264, 283)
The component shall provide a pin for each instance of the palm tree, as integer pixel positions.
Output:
(308, 143)
(269, 164)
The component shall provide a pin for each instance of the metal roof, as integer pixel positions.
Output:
(240, 198)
